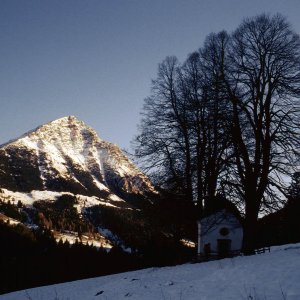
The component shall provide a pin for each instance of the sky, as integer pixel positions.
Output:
(95, 59)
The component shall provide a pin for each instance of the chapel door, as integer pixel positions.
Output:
(224, 247)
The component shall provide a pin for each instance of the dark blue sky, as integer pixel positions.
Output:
(95, 59)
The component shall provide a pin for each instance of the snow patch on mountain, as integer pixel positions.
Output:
(113, 238)
(9, 220)
(83, 202)
(73, 237)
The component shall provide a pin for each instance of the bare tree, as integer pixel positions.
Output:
(183, 133)
(203, 87)
(263, 83)
(164, 140)
(228, 118)
(216, 123)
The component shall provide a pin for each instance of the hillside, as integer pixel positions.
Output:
(63, 177)
(61, 182)
(269, 276)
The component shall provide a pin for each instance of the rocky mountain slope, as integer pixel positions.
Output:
(67, 155)
(63, 177)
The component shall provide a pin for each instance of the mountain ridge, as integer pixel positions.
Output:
(67, 149)
(38, 127)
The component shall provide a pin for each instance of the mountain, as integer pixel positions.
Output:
(67, 155)
(61, 176)
(61, 184)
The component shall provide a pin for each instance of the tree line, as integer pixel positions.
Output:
(226, 120)
(33, 258)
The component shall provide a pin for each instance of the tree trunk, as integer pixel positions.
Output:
(250, 229)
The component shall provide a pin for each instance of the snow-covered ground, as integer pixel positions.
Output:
(268, 276)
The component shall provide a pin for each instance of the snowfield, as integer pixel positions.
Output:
(268, 276)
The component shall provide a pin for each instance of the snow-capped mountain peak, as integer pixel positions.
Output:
(68, 155)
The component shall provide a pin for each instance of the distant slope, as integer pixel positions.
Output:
(269, 276)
